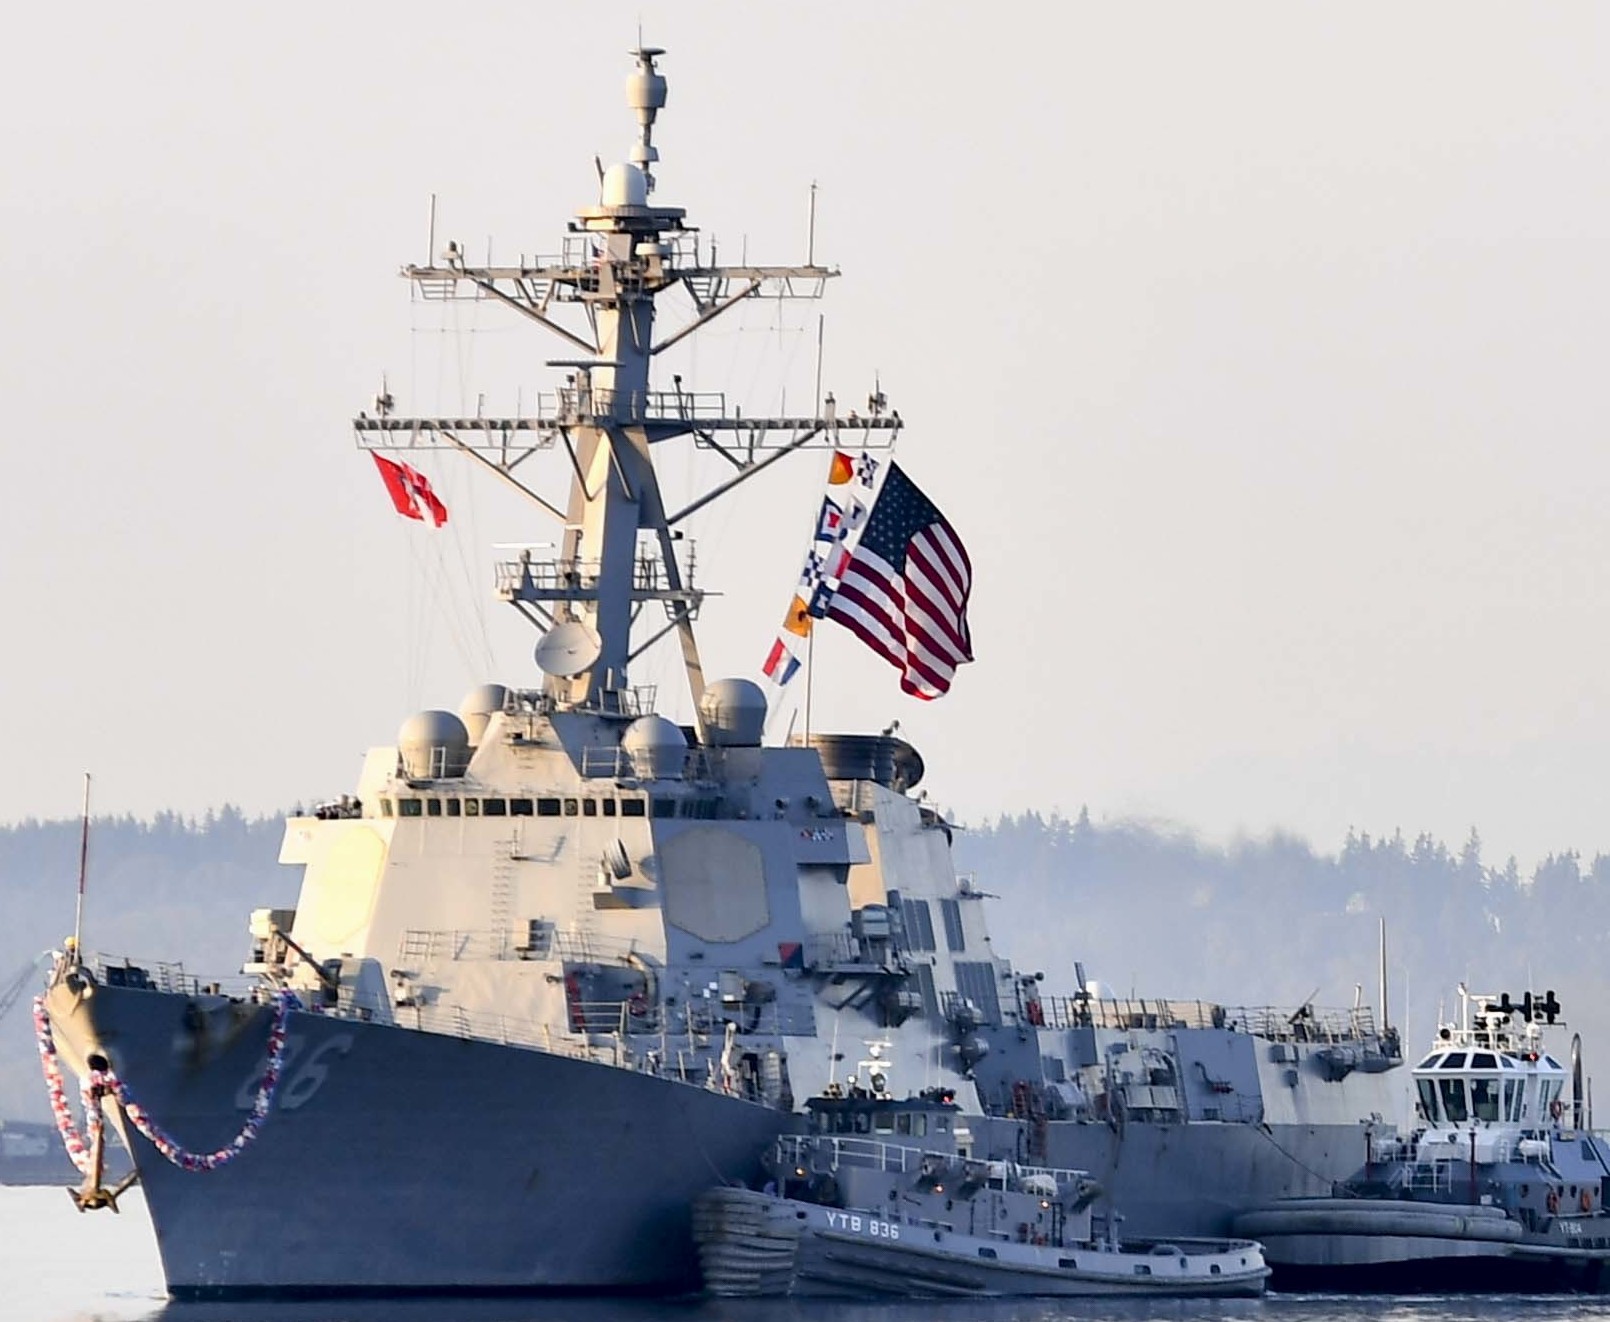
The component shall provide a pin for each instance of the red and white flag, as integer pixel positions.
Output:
(410, 490)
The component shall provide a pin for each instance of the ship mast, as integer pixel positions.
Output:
(619, 546)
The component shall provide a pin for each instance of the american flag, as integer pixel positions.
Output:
(904, 591)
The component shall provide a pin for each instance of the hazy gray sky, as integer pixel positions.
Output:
(1255, 350)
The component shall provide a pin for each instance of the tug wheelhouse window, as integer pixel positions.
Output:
(1484, 1100)
(1512, 1099)
(1428, 1097)
(1454, 1107)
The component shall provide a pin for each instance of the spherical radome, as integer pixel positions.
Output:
(734, 712)
(433, 745)
(657, 748)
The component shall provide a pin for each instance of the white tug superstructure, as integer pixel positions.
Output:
(1501, 1188)
(562, 962)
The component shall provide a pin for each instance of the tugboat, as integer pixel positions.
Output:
(882, 1196)
(1502, 1189)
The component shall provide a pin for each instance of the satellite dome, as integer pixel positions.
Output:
(478, 706)
(433, 745)
(734, 712)
(657, 748)
(624, 186)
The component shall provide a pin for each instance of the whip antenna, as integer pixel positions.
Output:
(83, 869)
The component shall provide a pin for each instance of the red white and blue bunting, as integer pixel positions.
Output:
(105, 1082)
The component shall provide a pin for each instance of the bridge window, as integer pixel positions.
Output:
(547, 807)
(385, 807)
(1483, 1060)
(409, 808)
(1454, 1108)
(1456, 1061)
(520, 808)
(633, 808)
(589, 807)
(571, 808)
(494, 808)
(433, 807)
(609, 807)
(454, 807)
(472, 807)
(1512, 1099)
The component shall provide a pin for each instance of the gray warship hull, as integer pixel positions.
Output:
(1195, 1178)
(397, 1161)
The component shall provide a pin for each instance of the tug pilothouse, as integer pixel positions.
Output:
(863, 1106)
(1487, 1073)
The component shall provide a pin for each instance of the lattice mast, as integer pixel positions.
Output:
(619, 542)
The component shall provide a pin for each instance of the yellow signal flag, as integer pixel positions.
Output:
(799, 620)
(842, 469)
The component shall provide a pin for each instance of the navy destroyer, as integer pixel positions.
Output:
(562, 963)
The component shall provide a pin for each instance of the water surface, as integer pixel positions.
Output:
(60, 1265)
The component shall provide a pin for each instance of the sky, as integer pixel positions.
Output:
(1255, 350)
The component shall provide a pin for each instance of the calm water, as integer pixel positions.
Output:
(57, 1265)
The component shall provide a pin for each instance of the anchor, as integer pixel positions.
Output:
(92, 1194)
